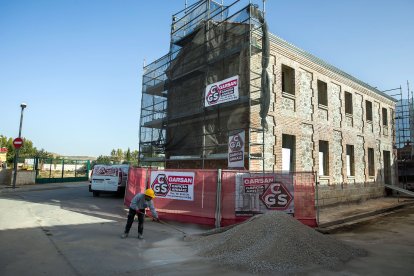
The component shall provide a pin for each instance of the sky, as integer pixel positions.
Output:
(78, 64)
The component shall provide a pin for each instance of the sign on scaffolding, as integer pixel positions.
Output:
(236, 150)
(223, 91)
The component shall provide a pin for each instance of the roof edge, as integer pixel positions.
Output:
(277, 40)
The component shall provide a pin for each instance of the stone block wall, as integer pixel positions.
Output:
(24, 178)
(300, 115)
(5, 176)
(348, 193)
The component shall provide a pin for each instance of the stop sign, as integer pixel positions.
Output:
(17, 143)
(276, 197)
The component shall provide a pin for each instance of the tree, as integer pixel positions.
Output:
(119, 155)
(128, 156)
(114, 156)
(134, 158)
(10, 151)
(27, 150)
(102, 160)
(3, 141)
(43, 154)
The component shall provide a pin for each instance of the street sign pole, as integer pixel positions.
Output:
(17, 148)
(16, 155)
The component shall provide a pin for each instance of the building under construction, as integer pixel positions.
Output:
(404, 122)
(226, 74)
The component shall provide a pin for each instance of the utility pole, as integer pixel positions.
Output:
(16, 154)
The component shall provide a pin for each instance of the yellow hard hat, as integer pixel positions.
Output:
(150, 193)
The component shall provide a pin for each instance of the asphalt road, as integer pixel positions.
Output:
(66, 231)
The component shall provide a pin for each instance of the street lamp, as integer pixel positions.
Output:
(16, 155)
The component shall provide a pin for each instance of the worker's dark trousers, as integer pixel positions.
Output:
(131, 216)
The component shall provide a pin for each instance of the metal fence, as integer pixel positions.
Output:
(50, 170)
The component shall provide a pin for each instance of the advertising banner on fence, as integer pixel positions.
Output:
(173, 185)
(236, 150)
(223, 91)
(261, 193)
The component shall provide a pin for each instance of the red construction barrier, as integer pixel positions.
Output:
(136, 183)
(305, 210)
(228, 198)
(300, 185)
(191, 195)
(201, 208)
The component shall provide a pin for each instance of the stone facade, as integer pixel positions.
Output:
(306, 147)
(300, 114)
(358, 114)
(337, 152)
(306, 94)
(376, 127)
(360, 175)
(334, 93)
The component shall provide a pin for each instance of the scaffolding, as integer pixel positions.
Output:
(210, 42)
(403, 120)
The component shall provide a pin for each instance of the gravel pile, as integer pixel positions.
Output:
(274, 242)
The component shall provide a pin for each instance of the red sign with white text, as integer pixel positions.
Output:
(173, 185)
(223, 91)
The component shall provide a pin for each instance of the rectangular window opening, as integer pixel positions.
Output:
(368, 106)
(323, 158)
(387, 167)
(288, 152)
(350, 160)
(371, 164)
(384, 117)
(348, 103)
(288, 79)
(322, 93)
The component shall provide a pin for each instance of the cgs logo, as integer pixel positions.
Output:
(276, 197)
(160, 185)
(213, 95)
(236, 143)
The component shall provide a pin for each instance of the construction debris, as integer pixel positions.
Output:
(275, 242)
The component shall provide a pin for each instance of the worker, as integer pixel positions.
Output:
(137, 207)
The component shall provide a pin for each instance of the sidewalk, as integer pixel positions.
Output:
(332, 219)
(4, 189)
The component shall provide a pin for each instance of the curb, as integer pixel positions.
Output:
(337, 225)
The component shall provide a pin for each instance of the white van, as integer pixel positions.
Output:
(109, 179)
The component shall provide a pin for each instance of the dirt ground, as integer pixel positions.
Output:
(389, 241)
(329, 214)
